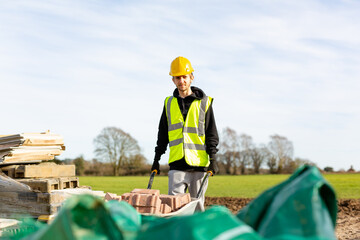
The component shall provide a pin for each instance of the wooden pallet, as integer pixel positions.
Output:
(20, 204)
(46, 185)
(44, 170)
(69, 182)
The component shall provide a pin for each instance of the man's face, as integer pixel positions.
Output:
(183, 82)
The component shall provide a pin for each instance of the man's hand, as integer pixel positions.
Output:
(213, 167)
(156, 166)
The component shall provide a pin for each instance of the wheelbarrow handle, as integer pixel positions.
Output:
(152, 175)
(209, 173)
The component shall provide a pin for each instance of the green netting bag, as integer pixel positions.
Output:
(215, 223)
(304, 206)
(86, 217)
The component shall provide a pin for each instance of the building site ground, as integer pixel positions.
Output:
(348, 219)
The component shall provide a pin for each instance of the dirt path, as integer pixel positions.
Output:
(347, 223)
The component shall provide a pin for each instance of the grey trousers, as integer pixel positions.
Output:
(180, 181)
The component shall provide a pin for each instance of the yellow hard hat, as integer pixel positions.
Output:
(180, 66)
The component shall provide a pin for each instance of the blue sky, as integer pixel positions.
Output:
(274, 67)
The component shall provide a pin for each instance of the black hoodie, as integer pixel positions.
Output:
(211, 135)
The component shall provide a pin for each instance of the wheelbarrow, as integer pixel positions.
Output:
(188, 209)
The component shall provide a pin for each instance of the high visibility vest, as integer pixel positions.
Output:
(187, 138)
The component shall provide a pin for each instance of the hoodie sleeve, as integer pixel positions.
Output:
(211, 134)
(163, 138)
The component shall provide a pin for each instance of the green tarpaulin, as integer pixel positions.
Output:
(302, 207)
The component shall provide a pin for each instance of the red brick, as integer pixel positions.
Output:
(164, 208)
(150, 201)
(151, 210)
(145, 200)
(175, 201)
(184, 198)
(146, 191)
(170, 200)
(125, 197)
(112, 196)
(109, 196)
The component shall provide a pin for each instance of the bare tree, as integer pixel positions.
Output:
(246, 146)
(281, 150)
(271, 163)
(136, 161)
(115, 146)
(258, 156)
(292, 165)
(229, 149)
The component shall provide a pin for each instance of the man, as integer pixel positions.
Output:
(187, 124)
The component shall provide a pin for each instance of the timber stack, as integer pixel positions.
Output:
(28, 182)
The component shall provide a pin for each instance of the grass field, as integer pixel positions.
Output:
(245, 186)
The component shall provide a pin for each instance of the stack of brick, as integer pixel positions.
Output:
(150, 201)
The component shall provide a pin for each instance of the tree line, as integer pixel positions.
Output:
(238, 154)
(118, 153)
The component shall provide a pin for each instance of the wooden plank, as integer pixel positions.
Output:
(44, 170)
(42, 142)
(17, 142)
(20, 162)
(32, 139)
(6, 138)
(10, 136)
(34, 197)
(8, 146)
(29, 147)
(36, 148)
(19, 153)
(43, 157)
(28, 209)
(20, 204)
(32, 153)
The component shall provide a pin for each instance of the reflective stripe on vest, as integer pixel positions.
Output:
(187, 138)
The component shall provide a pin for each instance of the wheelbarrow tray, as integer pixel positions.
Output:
(188, 209)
